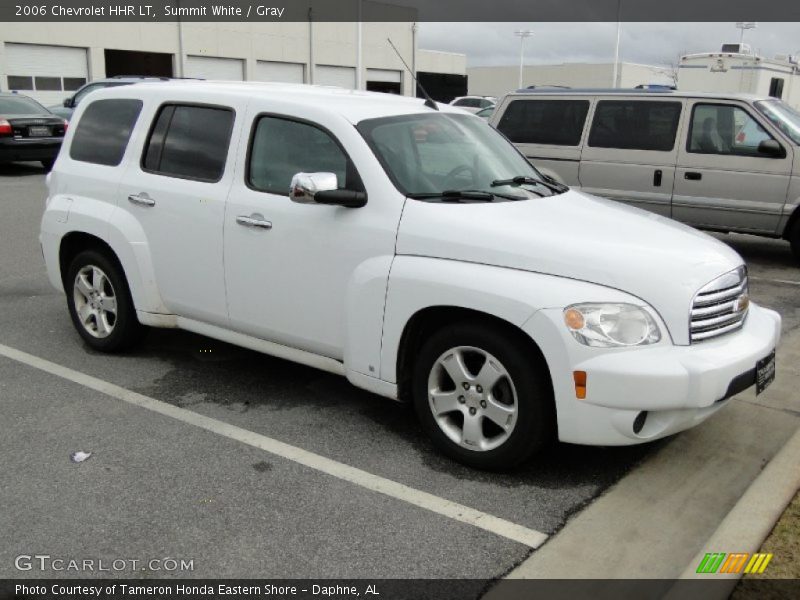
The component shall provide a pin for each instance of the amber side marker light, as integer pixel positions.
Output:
(574, 319)
(580, 384)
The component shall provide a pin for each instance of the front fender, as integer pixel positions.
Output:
(512, 295)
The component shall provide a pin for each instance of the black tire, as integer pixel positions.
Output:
(126, 330)
(535, 421)
(48, 164)
(794, 240)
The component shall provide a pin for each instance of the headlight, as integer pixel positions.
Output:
(611, 325)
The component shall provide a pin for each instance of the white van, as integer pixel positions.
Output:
(412, 250)
(724, 162)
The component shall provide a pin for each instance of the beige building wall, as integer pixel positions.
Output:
(496, 81)
(335, 44)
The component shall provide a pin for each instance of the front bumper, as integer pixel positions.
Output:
(677, 386)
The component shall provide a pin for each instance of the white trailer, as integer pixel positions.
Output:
(737, 69)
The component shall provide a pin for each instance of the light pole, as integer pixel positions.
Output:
(522, 34)
(615, 71)
(742, 25)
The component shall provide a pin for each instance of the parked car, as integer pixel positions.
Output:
(412, 250)
(473, 103)
(28, 131)
(723, 162)
(71, 102)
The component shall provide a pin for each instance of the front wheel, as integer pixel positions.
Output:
(100, 304)
(483, 396)
(794, 240)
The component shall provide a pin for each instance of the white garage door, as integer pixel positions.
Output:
(285, 72)
(207, 67)
(340, 76)
(47, 73)
(384, 75)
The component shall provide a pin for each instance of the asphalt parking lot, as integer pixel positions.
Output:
(159, 487)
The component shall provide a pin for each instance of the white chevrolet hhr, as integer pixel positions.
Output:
(411, 249)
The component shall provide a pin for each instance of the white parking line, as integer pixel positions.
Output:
(768, 279)
(436, 504)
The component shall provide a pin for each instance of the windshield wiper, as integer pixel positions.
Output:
(456, 195)
(524, 179)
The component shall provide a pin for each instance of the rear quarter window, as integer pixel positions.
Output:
(103, 131)
(553, 122)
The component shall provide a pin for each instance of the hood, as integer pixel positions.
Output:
(578, 236)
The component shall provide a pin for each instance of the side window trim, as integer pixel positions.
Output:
(173, 104)
(707, 102)
(251, 140)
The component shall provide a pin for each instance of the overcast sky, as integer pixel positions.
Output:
(650, 43)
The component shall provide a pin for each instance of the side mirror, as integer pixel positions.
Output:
(323, 188)
(771, 148)
(68, 102)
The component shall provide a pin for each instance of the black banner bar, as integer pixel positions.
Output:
(394, 589)
(400, 10)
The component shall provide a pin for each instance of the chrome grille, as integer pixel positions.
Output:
(720, 306)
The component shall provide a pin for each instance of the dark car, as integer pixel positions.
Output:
(70, 103)
(28, 131)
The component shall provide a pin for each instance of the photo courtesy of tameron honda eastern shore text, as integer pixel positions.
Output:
(408, 247)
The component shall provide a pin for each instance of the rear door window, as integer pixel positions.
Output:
(553, 122)
(635, 125)
(103, 131)
(189, 142)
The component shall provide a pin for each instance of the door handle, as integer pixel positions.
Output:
(693, 175)
(657, 177)
(142, 199)
(253, 221)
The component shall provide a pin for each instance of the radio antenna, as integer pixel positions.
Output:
(428, 100)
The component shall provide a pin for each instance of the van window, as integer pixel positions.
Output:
(104, 130)
(557, 122)
(635, 125)
(189, 142)
(724, 129)
(281, 147)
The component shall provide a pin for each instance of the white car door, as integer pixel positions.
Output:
(176, 191)
(289, 266)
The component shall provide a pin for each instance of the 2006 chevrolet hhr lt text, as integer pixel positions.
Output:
(411, 249)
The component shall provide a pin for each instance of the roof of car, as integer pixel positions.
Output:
(632, 92)
(353, 105)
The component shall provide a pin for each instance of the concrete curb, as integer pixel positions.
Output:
(752, 518)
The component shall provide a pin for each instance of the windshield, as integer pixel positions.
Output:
(783, 116)
(427, 154)
(21, 105)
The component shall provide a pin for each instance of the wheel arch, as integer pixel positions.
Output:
(430, 319)
(792, 223)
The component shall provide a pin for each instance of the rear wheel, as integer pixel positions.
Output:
(100, 303)
(483, 396)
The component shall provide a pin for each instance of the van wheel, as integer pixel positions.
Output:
(483, 396)
(100, 303)
(794, 240)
